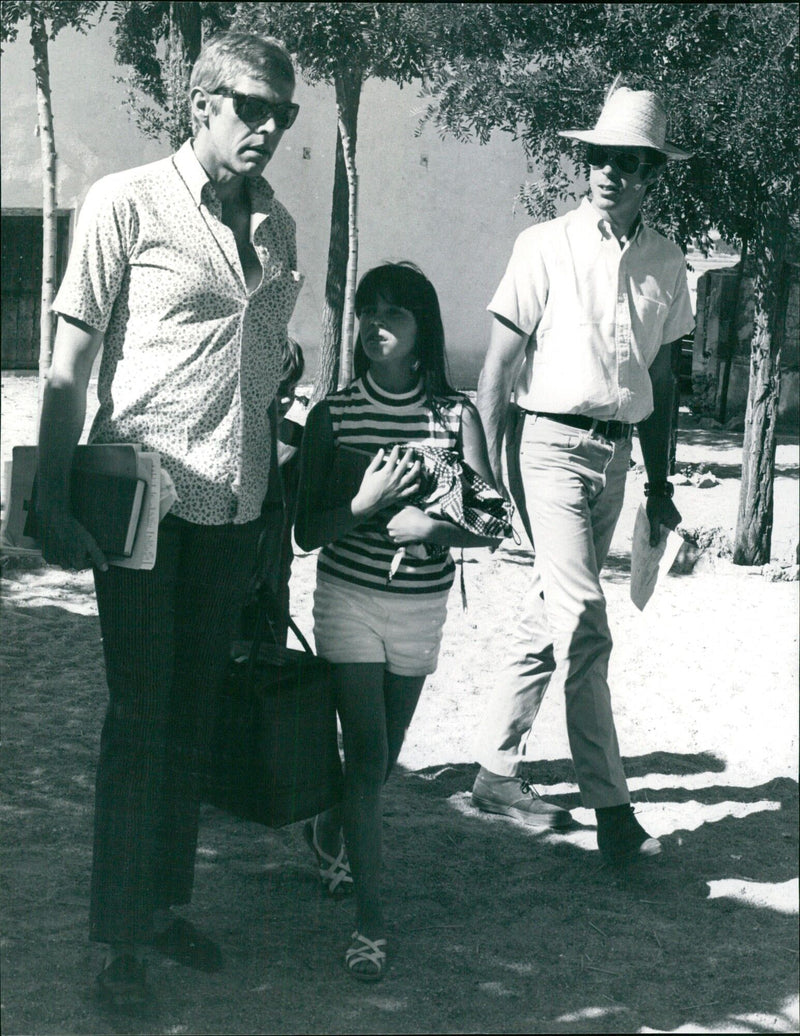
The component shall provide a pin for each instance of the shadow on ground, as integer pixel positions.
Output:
(494, 928)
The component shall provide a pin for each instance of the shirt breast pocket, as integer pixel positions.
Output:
(280, 295)
(648, 316)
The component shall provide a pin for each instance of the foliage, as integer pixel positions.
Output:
(45, 21)
(728, 75)
(397, 42)
(726, 72)
(160, 42)
(58, 15)
(344, 44)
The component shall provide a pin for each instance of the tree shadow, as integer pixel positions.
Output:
(576, 946)
(493, 927)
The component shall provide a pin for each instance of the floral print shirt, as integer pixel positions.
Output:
(191, 359)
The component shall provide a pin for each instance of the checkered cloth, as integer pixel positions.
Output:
(453, 491)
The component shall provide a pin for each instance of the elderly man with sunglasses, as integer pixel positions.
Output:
(186, 272)
(584, 321)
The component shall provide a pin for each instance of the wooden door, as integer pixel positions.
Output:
(21, 284)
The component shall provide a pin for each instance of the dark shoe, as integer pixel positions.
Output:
(123, 983)
(515, 798)
(621, 838)
(182, 942)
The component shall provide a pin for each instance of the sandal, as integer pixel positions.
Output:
(366, 951)
(334, 873)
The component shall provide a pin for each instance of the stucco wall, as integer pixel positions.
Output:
(449, 207)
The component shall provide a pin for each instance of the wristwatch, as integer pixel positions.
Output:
(662, 487)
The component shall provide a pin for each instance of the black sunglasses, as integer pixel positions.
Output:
(256, 110)
(626, 161)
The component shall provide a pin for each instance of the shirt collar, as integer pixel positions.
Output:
(199, 185)
(591, 219)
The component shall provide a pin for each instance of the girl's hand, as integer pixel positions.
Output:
(388, 480)
(410, 525)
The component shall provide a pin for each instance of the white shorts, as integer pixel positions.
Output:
(401, 631)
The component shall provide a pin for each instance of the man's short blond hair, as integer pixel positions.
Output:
(232, 54)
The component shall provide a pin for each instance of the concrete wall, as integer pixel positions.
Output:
(449, 207)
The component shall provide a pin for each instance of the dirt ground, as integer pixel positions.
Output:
(493, 928)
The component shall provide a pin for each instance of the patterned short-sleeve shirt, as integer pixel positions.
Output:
(191, 358)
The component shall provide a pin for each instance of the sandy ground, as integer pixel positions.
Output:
(705, 689)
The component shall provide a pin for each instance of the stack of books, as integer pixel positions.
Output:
(115, 493)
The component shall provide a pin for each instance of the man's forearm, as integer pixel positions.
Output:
(64, 407)
(654, 433)
(492, 402)
(63, 416)
(495, 384)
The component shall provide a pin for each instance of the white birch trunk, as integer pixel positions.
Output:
(48, 152)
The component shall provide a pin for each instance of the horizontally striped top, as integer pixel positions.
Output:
(367, 418)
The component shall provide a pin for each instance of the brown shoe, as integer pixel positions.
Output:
(514, 797)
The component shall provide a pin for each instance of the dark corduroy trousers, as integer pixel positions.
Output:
(166, 640)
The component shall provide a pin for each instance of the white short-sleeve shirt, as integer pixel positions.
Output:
(191, 358)
(596, 314)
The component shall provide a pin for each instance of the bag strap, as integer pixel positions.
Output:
(266, 604)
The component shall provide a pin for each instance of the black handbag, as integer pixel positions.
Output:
(274, 756)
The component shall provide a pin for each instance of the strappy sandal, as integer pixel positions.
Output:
(334, 872)
(366, 951)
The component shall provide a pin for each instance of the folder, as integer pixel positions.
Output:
(114, 494)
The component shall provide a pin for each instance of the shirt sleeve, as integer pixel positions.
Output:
(98, 259)
(680, 318)
(316, 462)
(522, 293)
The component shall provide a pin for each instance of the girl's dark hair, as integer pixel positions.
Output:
(294, 364)
(403, 284)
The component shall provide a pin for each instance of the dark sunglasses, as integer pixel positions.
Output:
(626, 161)
(255, 111)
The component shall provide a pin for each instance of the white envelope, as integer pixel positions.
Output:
(649, 563)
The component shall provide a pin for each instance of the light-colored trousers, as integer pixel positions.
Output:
(574, 484)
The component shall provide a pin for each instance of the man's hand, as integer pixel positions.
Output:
(66, 543)
(661, 511)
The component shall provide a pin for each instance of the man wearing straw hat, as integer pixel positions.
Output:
(584, 321)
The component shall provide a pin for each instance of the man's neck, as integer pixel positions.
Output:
(623, 224)
(230, 188)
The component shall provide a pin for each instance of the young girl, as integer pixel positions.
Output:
(380, 630)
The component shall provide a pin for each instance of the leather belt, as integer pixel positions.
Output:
(613, 430)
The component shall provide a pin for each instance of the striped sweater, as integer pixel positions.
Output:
(367, 418)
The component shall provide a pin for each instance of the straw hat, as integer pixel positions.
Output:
(631, 118)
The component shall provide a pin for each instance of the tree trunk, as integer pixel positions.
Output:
(339, 248)
(328, 375)
(182, 48)
(347, 100)
(753, 540)
(41, 71)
